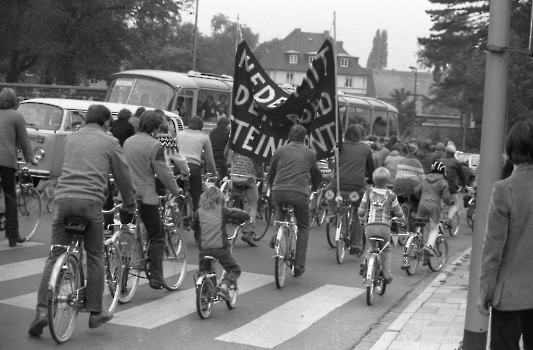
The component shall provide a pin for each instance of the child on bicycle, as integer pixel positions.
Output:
(210, 232)
(431, 192)
(375, 212)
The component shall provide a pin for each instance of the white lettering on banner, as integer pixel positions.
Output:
(267, 89)
(319, 139)
(271, 146)
(242, 95)
(239, 127)
(278, 102)
(249, 137)
(260, 144)
(253, 108)
(244, 59)
(325, 96)
(294, 118)
(254, 78)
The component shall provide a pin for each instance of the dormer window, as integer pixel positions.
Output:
(293, 59)
(344, 62)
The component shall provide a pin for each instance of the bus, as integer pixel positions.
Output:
(196, 93)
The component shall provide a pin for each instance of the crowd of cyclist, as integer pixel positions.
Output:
(92, 155)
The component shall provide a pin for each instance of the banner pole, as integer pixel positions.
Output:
(337, 135)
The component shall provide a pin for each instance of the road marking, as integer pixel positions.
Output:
(178, 305)
(5, 245)
(28, 301)
(21, 269)
(291, 318)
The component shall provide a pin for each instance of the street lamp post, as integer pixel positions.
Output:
(414, 102)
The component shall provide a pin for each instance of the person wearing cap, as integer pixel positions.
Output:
(219, 137)
(454, 176)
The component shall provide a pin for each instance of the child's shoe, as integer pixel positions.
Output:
(223, 292)
(428, 250)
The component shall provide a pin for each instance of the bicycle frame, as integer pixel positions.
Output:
(376, 252)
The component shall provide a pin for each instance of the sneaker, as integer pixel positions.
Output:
(298, 271)
(428, 250)
(448, 223)
(223, 294)
(96, 321)
(405, 265)
(248, 238)
(36, 327)
(355, 250)
(273, 241)
(388, 280)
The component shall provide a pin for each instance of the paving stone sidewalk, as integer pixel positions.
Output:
(435, 319)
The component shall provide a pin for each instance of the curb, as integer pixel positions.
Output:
(394, 329)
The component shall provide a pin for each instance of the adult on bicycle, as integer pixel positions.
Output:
(90, 156)
(146, 157)
(12, 134)
(244, 172)
(290, 168)
(355, 165)
(409, 174)
(454, 176)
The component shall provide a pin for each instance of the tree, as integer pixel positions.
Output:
(405, 106)
(378, 56)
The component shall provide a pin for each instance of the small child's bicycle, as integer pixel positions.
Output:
(207, 285)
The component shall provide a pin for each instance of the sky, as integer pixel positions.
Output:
(356, 22)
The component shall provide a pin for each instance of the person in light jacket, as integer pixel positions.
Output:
(506, 278)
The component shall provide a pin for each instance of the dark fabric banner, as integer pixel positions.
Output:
(263, 112)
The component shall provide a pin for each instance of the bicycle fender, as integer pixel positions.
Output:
(199, 280)
(338, 230)
(58, 265)
(371, 265)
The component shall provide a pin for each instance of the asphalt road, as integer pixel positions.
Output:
(323, 309)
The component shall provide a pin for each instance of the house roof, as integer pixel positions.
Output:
(385, 81)
(305, 44)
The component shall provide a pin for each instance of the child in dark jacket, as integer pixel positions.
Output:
(431, 192)
(209, 227)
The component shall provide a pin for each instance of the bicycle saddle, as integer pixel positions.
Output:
(76, 224)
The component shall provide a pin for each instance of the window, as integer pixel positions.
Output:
(344, 62)
(311, 59)
(289, 79)
(293, 59)
(348, 82)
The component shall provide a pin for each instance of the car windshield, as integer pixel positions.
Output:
(41, 116)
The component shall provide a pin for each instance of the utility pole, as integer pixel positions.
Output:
(414, 102)
(490, 168)
(194, 37)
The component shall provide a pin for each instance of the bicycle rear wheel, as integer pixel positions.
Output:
(131, 266)
(402, 238)
(410, 256)
(204, 297)
(63, 284)
(331, 228)
(233, 291)
(29, 206)
(113, 277)
(282, 246)
(380, 285)
(437, 262)
(371, 279)
(323, 210)
(454, 229)
(264, 217)
(340, 245)
(175, 259)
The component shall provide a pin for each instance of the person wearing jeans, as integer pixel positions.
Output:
(291, 167)
(90, 156)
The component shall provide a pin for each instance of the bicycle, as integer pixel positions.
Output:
(373, 279)
(407, 205)
(135, 245)
(235, 199)
(207, 285)
(29, 204)
(183, 216)
(413, 253)
(470, 205)
(285, 245)
(67, 285)
(339, 228)
(454, 228)
(318, 206)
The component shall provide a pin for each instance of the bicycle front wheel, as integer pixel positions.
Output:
(410, 256)
(282, 247)
(29, 206)
(175, 259)
(204, 297)
(113, 277)
(264, 217)
(371, 279)
(63, 284)
(454, 229)
(232, 290)
(341, 246)
(131, 266)
(331, 228)
(437, 262)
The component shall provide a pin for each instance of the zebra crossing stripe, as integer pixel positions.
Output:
(21, 269)
(29, 300)
(178, 305)
(5, 245)
(297, 315)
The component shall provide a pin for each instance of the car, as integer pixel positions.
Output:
(50, 120)
(470, 162)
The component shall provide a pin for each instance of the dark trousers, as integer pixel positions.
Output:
(195, 182)
(300, 201)
(508, 326)
(154, 227)
(9, 184)
(233, 270)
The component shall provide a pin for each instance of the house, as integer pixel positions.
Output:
(288, 62)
